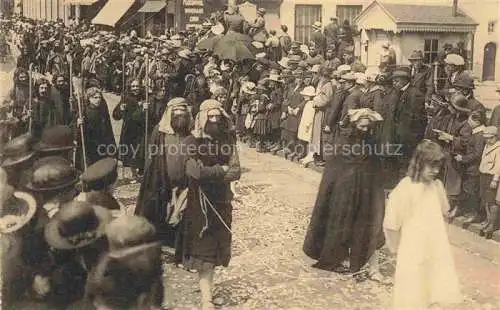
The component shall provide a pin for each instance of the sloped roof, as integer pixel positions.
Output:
(411, 17)
(426, 14)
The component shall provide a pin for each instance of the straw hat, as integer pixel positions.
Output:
(317, 25)
(454, 59)
(308, 91)
(249, 88)
(16, 212)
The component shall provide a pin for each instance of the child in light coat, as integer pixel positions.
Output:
(415, 229)
(490, 175)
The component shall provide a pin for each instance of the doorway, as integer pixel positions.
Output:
(490, 52)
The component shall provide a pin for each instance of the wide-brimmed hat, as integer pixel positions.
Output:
(249, 88)
(261, 11)
(186, 54)
(416, 55)
(464, 81)
(356, 114)
(349, 76)
(55, 138)
(402, 72)
(360, 78)
(101, 174)
(454, 59)
(77, 224)
(344, 68)
(460, 103)
(52, 176)
(308, 91)
(16, 212)
(317, 25)
(18, 150)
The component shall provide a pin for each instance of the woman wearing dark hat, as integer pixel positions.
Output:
(97, 130)
(76, 236)
(346, 223)
(129, 276)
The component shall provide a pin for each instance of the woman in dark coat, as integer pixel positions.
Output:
(131, 111)
(98, 132)
(346, 223)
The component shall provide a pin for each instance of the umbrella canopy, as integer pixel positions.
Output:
(208, 43)
(235, 46)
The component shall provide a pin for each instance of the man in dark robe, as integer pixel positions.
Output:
(97, 130)
(204, 239)
(46, 110)
(164, 177)
(19, 100)
(132, 110)
(61, 85)
(421, 74)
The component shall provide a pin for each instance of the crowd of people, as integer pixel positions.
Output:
(199, 92)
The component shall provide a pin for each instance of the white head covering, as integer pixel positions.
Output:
(202, 118)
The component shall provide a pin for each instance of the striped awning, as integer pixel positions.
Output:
(153, 6)
(80, 2)
(112, 11)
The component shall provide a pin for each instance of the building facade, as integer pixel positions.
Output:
(50, 10)
(412, 27)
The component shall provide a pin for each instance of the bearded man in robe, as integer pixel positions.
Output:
(47, 109)
(164, 177)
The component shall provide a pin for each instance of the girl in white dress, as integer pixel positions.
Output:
(416, 231)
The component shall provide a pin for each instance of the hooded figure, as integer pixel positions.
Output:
(164, 177)
(212, 163)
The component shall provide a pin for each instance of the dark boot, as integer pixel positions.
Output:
(492, 221)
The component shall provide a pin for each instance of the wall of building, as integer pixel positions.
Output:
(46, 10)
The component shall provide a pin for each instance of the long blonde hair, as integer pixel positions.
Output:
(426, 153)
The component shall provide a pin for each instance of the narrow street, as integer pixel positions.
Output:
(268, 269)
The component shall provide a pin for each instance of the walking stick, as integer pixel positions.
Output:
(80, 116)
(123, 96)
(436, 64)
(30, 96)
(146, 111)
(70, 60)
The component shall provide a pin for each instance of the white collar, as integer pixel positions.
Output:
(478, 129)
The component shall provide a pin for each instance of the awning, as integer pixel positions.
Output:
(112, 11)
(80, 2)
(153, 6)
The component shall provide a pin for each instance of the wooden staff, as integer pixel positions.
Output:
(436, 67)
(146, 110)
(80, 116)
(30, 97)
(123, 96)
(70, 60)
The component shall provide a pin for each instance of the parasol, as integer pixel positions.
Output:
(235, 46)
(208, 43)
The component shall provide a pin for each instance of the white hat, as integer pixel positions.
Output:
(249, 88)
(284, 62)
(217, 29)
(360, 78)
(349, 77)
(308, 91)
(275, 77)
(258, 45)
(317, 25)
(315, 68)
(186, 54)
(454, 59)
(344, 68)
(260, 55)
(304, 48)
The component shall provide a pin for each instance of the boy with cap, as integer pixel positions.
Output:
(490, 175)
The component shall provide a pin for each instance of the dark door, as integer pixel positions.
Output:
(490, 52)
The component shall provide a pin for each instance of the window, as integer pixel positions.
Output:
(305, 16)
(491, 26)
(430, 51)
(348, 12)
